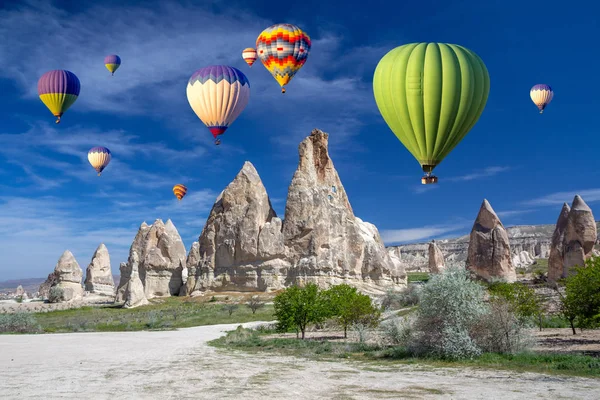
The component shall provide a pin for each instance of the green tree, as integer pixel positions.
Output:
(581, 301)
(296, 307)
(521, 299)
(350, 307)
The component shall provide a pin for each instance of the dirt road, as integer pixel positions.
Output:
(180, 365)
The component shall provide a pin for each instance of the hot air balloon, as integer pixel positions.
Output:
(430, 95)
(58, 90)
(541, 95)
(283, 50)
(179, 190)
(99, 157)
(218, 94)
(249, 55)
(112, 63)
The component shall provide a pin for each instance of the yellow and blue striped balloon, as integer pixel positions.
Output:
(58, 89)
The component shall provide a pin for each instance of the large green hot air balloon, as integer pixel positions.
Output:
(430, 95)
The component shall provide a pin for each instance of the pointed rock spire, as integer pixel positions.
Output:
(555, 260)
(489, 253)
(98, 277)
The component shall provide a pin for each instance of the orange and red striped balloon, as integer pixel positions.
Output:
(249, 55)
(179, 190)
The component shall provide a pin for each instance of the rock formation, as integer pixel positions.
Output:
(489, 253)
(580, 235)
(134, 293)
(534, 239)
(241, 246)
(161, 256)
(522, 260)
(67, 276)
(20, 292)
(44, 289)
(574, 239)
(245, 246)
(327, 243)
(192, 263)
(98, 277)
(436, 258)
(555, 261)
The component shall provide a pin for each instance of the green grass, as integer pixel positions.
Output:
(166, 313)
(417, 276)
(560, 364)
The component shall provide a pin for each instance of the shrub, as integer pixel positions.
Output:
(398, 331)
(56, 294)
(230, 308)
(405, 298)
(502, 330)
(349, 307)
(450, 306)
(520, 299)
(297, 307)
(19, 299)
(255, 303)
(19, 322)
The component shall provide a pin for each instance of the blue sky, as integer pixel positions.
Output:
(524, 163)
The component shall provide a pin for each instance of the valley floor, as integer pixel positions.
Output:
(181, 365)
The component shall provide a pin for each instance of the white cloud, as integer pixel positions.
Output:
(484, 173)
(512, 213)
(396, 236)
(558, 198)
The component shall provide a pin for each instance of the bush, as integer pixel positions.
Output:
(349, 307)
(19, 299)
(230, 308)
(520, 299)
(56, 294)
(393, 300)
(255, 303)
(450, 306)
(398, 331)
(502, 330)
(20, 322)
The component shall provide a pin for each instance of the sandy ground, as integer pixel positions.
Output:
(180, 365)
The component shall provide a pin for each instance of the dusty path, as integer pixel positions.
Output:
(180, 365)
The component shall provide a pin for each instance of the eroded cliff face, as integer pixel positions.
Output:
(245, 246)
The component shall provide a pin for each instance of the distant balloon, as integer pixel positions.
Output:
(218, 94)
(249, 55)
(283, 50)
(541, 95)
(179, 190)
(58, 89)
(99, 157)
(431, 95)
(112, 63)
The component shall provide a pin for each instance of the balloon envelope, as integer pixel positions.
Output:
(112, 63)
(283, 50)
(99, 157)
(218, 94)
(179, 190)
(249, 55)
(431, 95)
(58, 89)
(541, 95)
